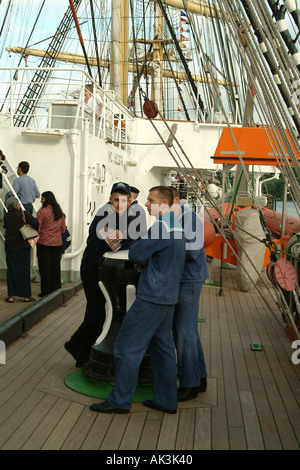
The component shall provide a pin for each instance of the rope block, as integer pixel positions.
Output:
(150, 109)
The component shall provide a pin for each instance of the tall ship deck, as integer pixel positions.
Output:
(203, 95)
(251, 403)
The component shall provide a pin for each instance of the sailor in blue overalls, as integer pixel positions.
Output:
(148, 323)
(191, 367)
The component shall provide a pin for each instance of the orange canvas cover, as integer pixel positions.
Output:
(258, 146)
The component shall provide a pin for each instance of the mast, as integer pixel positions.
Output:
(156, 89)
(79, 59)
(124, 49)
(198, 7)
(119, 49)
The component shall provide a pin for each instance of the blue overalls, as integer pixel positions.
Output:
(191, 365)
(148, 323)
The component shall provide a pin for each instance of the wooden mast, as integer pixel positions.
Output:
(198, 7)
(115, 79)
(158, 57)
(124, 49)
(79, 59)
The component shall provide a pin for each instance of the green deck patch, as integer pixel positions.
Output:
(96, 389)
(255, 346)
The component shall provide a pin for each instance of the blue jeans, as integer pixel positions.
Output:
(145, 326)
(190, 356)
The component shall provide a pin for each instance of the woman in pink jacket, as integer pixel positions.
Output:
(51, 226)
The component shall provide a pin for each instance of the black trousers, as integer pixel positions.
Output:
(81, 341)
(49, 267)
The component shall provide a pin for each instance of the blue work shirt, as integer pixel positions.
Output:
(26, 189)
(195, 267)
(161, 252)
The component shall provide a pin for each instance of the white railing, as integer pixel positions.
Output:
(60, 104)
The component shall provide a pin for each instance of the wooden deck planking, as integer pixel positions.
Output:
(234, 413)
(7, 310)
(29, 364)
(47, 425)
(252, 400)
(63, 429)
(264, 364)
(202, 440)
(151, 432)
(132, 434)
(219, 413)
(99, 423)
(37, 340)
(114, 434)
(28, 426)
(268, 368)
(185, 429)
(76, 436)
(36, 354)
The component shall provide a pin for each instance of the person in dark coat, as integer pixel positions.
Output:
(3, 168)
(115, 214)
(17, 252)
(139, 227)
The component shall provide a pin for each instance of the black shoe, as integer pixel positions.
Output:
(67, 348)
(150, 404)
(105, 407)
(184, 394)
(79, 362)
(203, 385)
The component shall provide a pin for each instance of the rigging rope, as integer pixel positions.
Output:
(30, 35)
(219, 229)
(5, 17)
(276, 122)
(292, 7)
(187, 70)
(95, 43)
(256, 69)
(279, 14)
